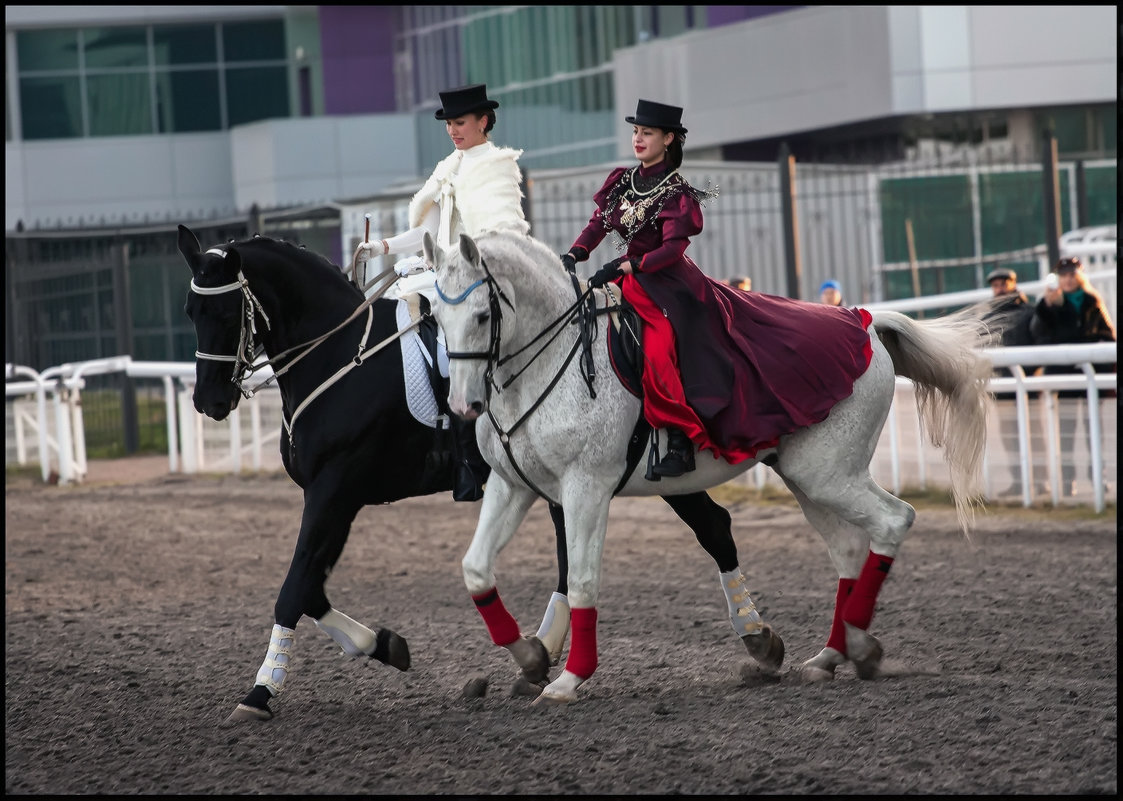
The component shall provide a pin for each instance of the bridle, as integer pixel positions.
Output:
(248, 349)
(578, 311)
(244, 355)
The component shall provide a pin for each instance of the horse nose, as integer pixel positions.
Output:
(476, 409)
(216, 410)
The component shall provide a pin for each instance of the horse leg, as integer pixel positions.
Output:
(555, 622)
(863, 527)
(503, 509)
(586, 520)
(323, 532)
(711, 525)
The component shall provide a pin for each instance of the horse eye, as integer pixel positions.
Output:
(483, 317)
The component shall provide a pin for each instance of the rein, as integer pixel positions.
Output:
(583, 309)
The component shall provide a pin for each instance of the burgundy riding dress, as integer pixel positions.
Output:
(734, 370)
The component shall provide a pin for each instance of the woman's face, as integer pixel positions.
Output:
(650, 144)
(467, 131)
(1069, 281)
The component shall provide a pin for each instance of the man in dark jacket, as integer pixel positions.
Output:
(1008, 314)
(1072, 312)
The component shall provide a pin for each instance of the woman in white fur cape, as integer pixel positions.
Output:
(475, 189)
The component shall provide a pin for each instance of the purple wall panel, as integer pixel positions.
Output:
(357, 43)
(725, 15)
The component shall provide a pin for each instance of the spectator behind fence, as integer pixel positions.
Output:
(1072, 312)
(830, 293)
(1008, 314)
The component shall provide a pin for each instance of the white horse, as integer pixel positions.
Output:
(545, 434)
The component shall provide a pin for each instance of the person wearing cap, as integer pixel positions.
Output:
(717, 372)
(1072, 312)
(1007, 315)
(830, 293)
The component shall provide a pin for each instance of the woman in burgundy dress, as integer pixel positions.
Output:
(728, 371)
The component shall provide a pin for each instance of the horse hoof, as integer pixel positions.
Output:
(524, 688)
(532, 658)
(244, 712)
(391, 649)
(547, 698)
(864, 650)
(766, 648)
(821, 667)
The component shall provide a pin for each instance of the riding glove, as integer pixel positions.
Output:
(369, 250)
(609, 272)
(568, 262)
(410, 265)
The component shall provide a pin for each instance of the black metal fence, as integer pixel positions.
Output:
(931, 224)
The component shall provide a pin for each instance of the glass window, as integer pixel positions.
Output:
(185, 44)
(115, 47)
(51, 108)
(256, 93)
(188, 100)
(47, 50)
(119, 104)
(254, 41)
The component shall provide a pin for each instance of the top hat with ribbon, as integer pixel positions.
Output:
(650, 114)
(464, 100)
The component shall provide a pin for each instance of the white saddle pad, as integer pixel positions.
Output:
(416, 364)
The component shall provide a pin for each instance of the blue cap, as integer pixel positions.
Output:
(831, 284)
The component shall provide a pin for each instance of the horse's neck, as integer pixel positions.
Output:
(300, 313)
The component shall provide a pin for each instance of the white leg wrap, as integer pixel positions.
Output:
(353, 637)
(275, 669)
(742, 610)
(555, 626)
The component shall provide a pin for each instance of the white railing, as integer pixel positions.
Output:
(902, 459)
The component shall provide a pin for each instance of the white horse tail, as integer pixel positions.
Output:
(942, 357)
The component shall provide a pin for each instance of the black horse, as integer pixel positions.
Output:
(349, 438)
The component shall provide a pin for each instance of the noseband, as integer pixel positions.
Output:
(244, 355)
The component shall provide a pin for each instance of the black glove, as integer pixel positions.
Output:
(568, 262)
(609, 272)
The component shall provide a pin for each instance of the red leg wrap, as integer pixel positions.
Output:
(500, 625)
(837, 640)
(582, 660)
(859, 607)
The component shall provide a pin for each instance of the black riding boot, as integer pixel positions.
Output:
(471, 469)
(679, 458)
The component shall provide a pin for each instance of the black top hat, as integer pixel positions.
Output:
(650, 114)
(1002, 274)
(464, 100)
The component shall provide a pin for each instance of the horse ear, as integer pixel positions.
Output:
(428, 250)
(188, 243)
(469, 251)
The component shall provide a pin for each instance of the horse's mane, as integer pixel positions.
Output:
(265, 252)
(509, 246)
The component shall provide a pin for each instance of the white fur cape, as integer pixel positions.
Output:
(485, 189)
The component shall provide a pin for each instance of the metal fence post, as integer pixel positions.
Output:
(1052, 198)
(789, 220)
(123, 314)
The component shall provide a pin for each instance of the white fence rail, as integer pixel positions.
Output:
(903, 460)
